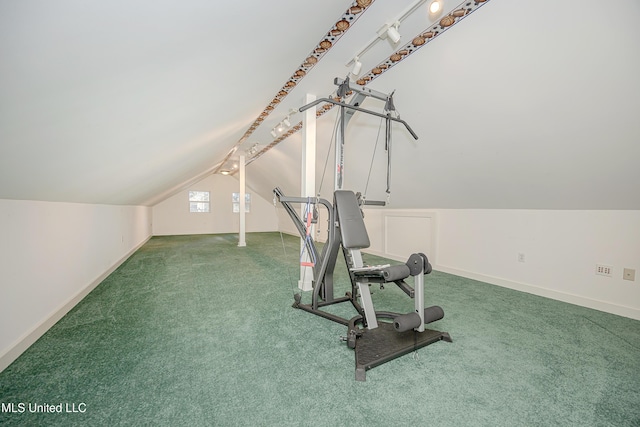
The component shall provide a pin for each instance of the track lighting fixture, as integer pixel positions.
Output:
(253, 149)
(229, 167)
(280, 127)
(388, 31)
(284, 124)
(357, 66)
(435, 7)
(393, 33)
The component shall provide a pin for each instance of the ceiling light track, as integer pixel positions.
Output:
(342, 25)
(391, 31)
(461, 11)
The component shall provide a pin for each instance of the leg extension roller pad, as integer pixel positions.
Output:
(408, 321)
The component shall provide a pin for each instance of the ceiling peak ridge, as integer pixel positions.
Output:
(342, 25)
(461, 11)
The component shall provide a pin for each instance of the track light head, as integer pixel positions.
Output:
(435, 7)
(252, 150)
(357, 66)
(393, 33)
(273, 132)
(286, 122)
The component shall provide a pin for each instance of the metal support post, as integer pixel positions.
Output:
(241, 238)
(308, 183)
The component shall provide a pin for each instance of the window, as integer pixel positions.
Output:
(199, 201)
(235, 198)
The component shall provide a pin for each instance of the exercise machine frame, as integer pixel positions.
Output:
(374, 342)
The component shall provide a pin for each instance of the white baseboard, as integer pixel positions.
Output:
(24, 342)
(607, 307)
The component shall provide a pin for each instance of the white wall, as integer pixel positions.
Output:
(51, 255)
(516, 107)
(172, 216)
(561, 249)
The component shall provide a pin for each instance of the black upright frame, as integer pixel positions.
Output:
(323, 291)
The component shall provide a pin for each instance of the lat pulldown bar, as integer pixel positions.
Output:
(363, 110)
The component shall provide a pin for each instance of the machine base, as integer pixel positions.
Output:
(374, 347)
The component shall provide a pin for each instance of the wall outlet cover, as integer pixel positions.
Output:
(604, 270)
(629, 274)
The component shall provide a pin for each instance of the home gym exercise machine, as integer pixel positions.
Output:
(396, 334)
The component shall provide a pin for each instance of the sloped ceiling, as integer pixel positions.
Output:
(516, 106)
(119, 101)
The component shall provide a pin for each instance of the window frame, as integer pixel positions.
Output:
(235, 203)
(202, 203)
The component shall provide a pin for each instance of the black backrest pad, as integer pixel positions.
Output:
(352, 229)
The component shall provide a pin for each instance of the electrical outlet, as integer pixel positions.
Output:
(520, 257)
(629, 274)
(604, 270)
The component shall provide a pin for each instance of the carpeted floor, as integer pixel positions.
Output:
(193, 330)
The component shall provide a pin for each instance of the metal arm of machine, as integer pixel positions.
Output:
(324, 280)
(364, 90)
(363, 110)
(374, 203)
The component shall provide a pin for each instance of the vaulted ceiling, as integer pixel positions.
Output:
(516, 105)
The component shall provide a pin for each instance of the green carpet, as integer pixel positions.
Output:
(193, 330)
